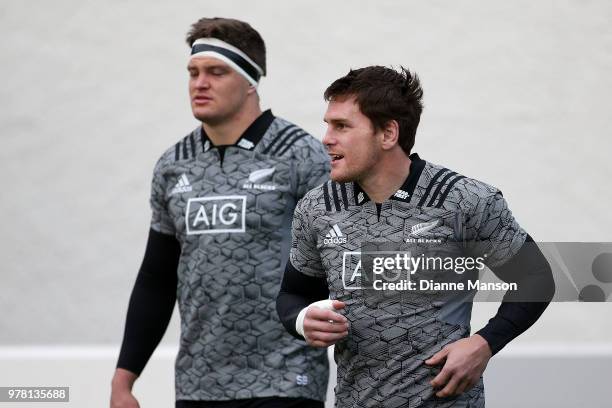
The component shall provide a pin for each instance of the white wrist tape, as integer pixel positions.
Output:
(321, 304)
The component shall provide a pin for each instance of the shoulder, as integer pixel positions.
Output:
(286, 139)
(184, 150)
(313, 201)
(445, 188)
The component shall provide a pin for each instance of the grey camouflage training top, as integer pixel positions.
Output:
(380, 362)
(231, 211)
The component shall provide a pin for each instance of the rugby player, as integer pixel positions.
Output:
(222, 201)
(408, 349)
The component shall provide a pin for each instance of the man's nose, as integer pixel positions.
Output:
(202, 81)
(328, 138)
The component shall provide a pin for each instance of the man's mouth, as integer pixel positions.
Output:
(202, 99)
(336, 157)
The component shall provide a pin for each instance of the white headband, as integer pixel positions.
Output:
(232, 56)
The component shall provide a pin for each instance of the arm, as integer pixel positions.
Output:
(465, 360)
(520, 309)
(297, 292)
(149, 312)
(299, 311)
(513, 257)
(305, 282)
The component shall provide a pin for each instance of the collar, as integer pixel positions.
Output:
(251, 136)
(405, 192)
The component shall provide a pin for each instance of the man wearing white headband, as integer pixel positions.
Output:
(222, 201)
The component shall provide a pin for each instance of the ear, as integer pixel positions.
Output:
(251, 90)
(390, 135)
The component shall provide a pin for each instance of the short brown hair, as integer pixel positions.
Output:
(384, 94)
(235, 32)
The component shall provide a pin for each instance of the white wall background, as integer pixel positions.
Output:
(516, 93)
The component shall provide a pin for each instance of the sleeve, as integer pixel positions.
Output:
(304, 281)
(161, 220)
(520, 309)
(304, 255)
(513, 257)
(151, 302)
(313, 170)
(297, 292)
(493, 231)
(154, 293)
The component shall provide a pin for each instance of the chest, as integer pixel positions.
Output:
(240, 194)
(349, 240)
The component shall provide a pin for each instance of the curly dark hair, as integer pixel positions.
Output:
(235, 32)
(384, 94)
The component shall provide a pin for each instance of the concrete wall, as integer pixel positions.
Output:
(516, 93)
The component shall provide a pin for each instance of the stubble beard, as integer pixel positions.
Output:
(357, 174)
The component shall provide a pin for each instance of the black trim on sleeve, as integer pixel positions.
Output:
(298, 291)
(151, 302)
(277, 138)
(335, 196)
(344, 195)
(177, 151)
(193, 145)
(430, 186)
(291, 143)
(440, 185)
(448, 190)
(326, 196)
(284, 142)
(520, 309)
(185, 152)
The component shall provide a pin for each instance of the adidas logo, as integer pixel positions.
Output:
(182, 186)
(423, 227)
(334, 236)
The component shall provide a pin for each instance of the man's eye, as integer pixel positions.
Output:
(193, 74)
(218, 72)
(340, 126)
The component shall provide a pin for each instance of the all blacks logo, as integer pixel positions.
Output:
(212, 215)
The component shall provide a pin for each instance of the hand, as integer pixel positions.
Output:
(121, 390)
(466, 360)
(322, 328)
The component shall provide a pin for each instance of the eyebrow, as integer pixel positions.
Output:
(208, 67)
(335, 120)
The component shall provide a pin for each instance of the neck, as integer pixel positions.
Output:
(227, 132)
(391, 172)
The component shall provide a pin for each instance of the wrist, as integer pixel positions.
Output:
(483, 344)
(326, 304)
(123, 379)
(299, 321)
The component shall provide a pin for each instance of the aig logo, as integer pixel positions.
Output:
(213, 215)
(351, 270)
